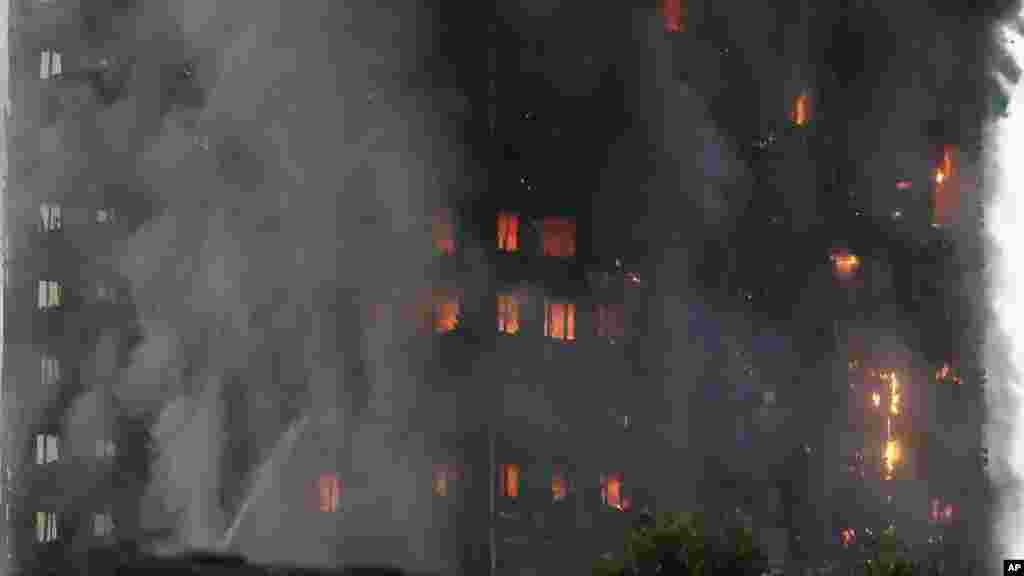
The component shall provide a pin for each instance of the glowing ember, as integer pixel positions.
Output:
(940, 176)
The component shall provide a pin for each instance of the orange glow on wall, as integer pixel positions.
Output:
(947, 188)
(444, 232)
(611, 321)
(611, 490)
(446, 311)
(674, 14)
(560, 320)
(559, 486)
(508, 313)
(801, 113)
(559, 237)
(329, 488)
(510, 480)
(508, 232)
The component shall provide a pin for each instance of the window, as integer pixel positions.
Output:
(611, 490)
(47, 448)
(559, 237)
(49, 64)
(444, 475)
(508, 313)
(560, 320)
(105, 215)
(105, 449)
(50, 294)
(104, 292)
(559, 486)
(102, 524)
(801, 114)
(508, 232)
(446, 311)
(50, 214)
(946, 200)
(611, 321)
(510, 480)
(329, 488)
(46, 526)
(444, 232)
(674, 13)
(49, 370)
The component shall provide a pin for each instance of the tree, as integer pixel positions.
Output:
(677, 544)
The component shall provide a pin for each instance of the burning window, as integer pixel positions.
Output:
(611, 491)
(47, 448)
(102, 525)
(674, 13)
(845, 264)
(444, 232)
(444, 476)
(947, 193)
(559, 486)
(508, 232)
(49, 64)
(508, 313)
(559, 237)
(51, 216)
(49, 370)
(50, 294)
(446, 311)
(509, 481)
(560, 320)
(611, 320)
(801, 113)
(46, 526)
(329, 489)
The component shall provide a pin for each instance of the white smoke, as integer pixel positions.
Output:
(1005, 354)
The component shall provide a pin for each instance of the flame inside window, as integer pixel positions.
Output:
(508, 313)
(330, 492)
(674, 13)
(446, 311)
(510, 480)
(560, 320)
(559, 486)
(801, 114)
(611, 490)
(559, 237)
(508, 232)
(845, 264)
